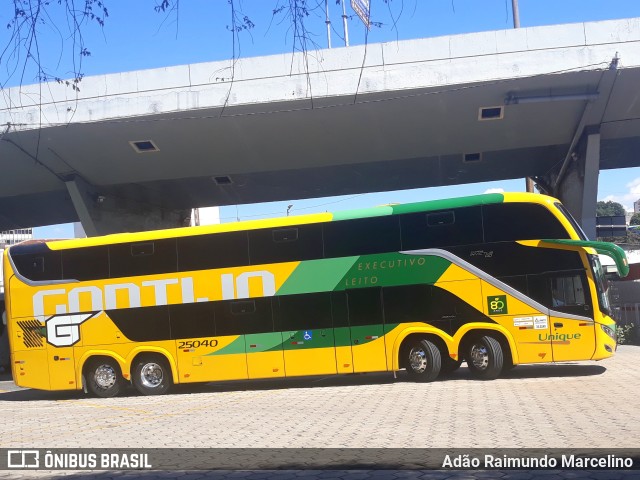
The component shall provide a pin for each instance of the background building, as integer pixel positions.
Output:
(11, 237)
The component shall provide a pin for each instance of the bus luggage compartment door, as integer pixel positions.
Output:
(61, 368)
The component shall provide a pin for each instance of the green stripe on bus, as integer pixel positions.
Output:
(316, 339)
(237, 346)
(263, 342)
(392, 269)
(416, 207)
(431, 205)
(362, 213)
(316, 276)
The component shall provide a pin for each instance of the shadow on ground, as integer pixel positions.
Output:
(380, 378)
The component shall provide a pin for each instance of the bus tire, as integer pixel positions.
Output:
(508, 365)
(151, 375)
(485, 358)
(423, 361)
(102, 377)
(449, 365)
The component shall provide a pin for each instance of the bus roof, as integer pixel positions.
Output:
(425, 206)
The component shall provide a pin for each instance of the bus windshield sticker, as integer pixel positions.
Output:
(523, 321)
(497, 304)
(540, 322)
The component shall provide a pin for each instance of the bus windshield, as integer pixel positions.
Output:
(602, 284)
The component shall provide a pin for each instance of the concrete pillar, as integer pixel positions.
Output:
(101, 214)
(578, 189)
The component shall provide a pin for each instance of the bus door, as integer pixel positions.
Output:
(366, 326)
(308, 340)
(253, 319)
(571, 338)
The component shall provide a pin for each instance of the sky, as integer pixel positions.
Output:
(135, 37)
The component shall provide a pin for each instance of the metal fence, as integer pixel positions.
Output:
(11, 237)
(625, 303)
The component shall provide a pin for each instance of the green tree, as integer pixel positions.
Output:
(609, 208)
(635, 219)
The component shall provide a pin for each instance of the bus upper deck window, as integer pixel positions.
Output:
(441, 218)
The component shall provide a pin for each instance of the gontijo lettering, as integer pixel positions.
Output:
(106, 298)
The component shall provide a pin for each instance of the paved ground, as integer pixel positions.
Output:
(576, 405)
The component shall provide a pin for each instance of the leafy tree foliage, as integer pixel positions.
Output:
(609, 208)
(31, 18)
(635, 219)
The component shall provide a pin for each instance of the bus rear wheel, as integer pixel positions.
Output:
(423, 361)
(103, 378)
(152, 375)
(485, 358)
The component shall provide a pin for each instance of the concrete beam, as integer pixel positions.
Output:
(84, 200)
(104, 214)
(578, 189)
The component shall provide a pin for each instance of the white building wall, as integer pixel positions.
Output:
(205, 216)
(11, 237)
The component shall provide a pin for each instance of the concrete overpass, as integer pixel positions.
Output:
(557, 103)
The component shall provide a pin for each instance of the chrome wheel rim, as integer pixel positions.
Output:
(151, 375)
(479, 356)
(105, 377)
(418, 360)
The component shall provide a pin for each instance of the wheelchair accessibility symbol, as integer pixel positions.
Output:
(307, 335)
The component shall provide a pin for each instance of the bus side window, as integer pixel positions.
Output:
(441, 218)
(282, 235)
(303, 312)
(191, 320)
(91, 263)
(365, 236)
(519, 282)
(365, 306)
(446, 228)
(41, 265)
(562, 291)
(142, 258)
(220, 250)
(144, 324)
(567, 291)
(407, 303)
(505, 222)
(339, 309)
(289, 244)
(241, 317)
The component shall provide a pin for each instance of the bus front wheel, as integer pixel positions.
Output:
(152, 375)
(485, 358)
(103, 378)
(423, 361)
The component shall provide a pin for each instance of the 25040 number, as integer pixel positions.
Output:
(198, 343)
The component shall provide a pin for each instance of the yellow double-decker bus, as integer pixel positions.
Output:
(496, 280)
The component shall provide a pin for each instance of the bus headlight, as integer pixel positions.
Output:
(610, 332)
